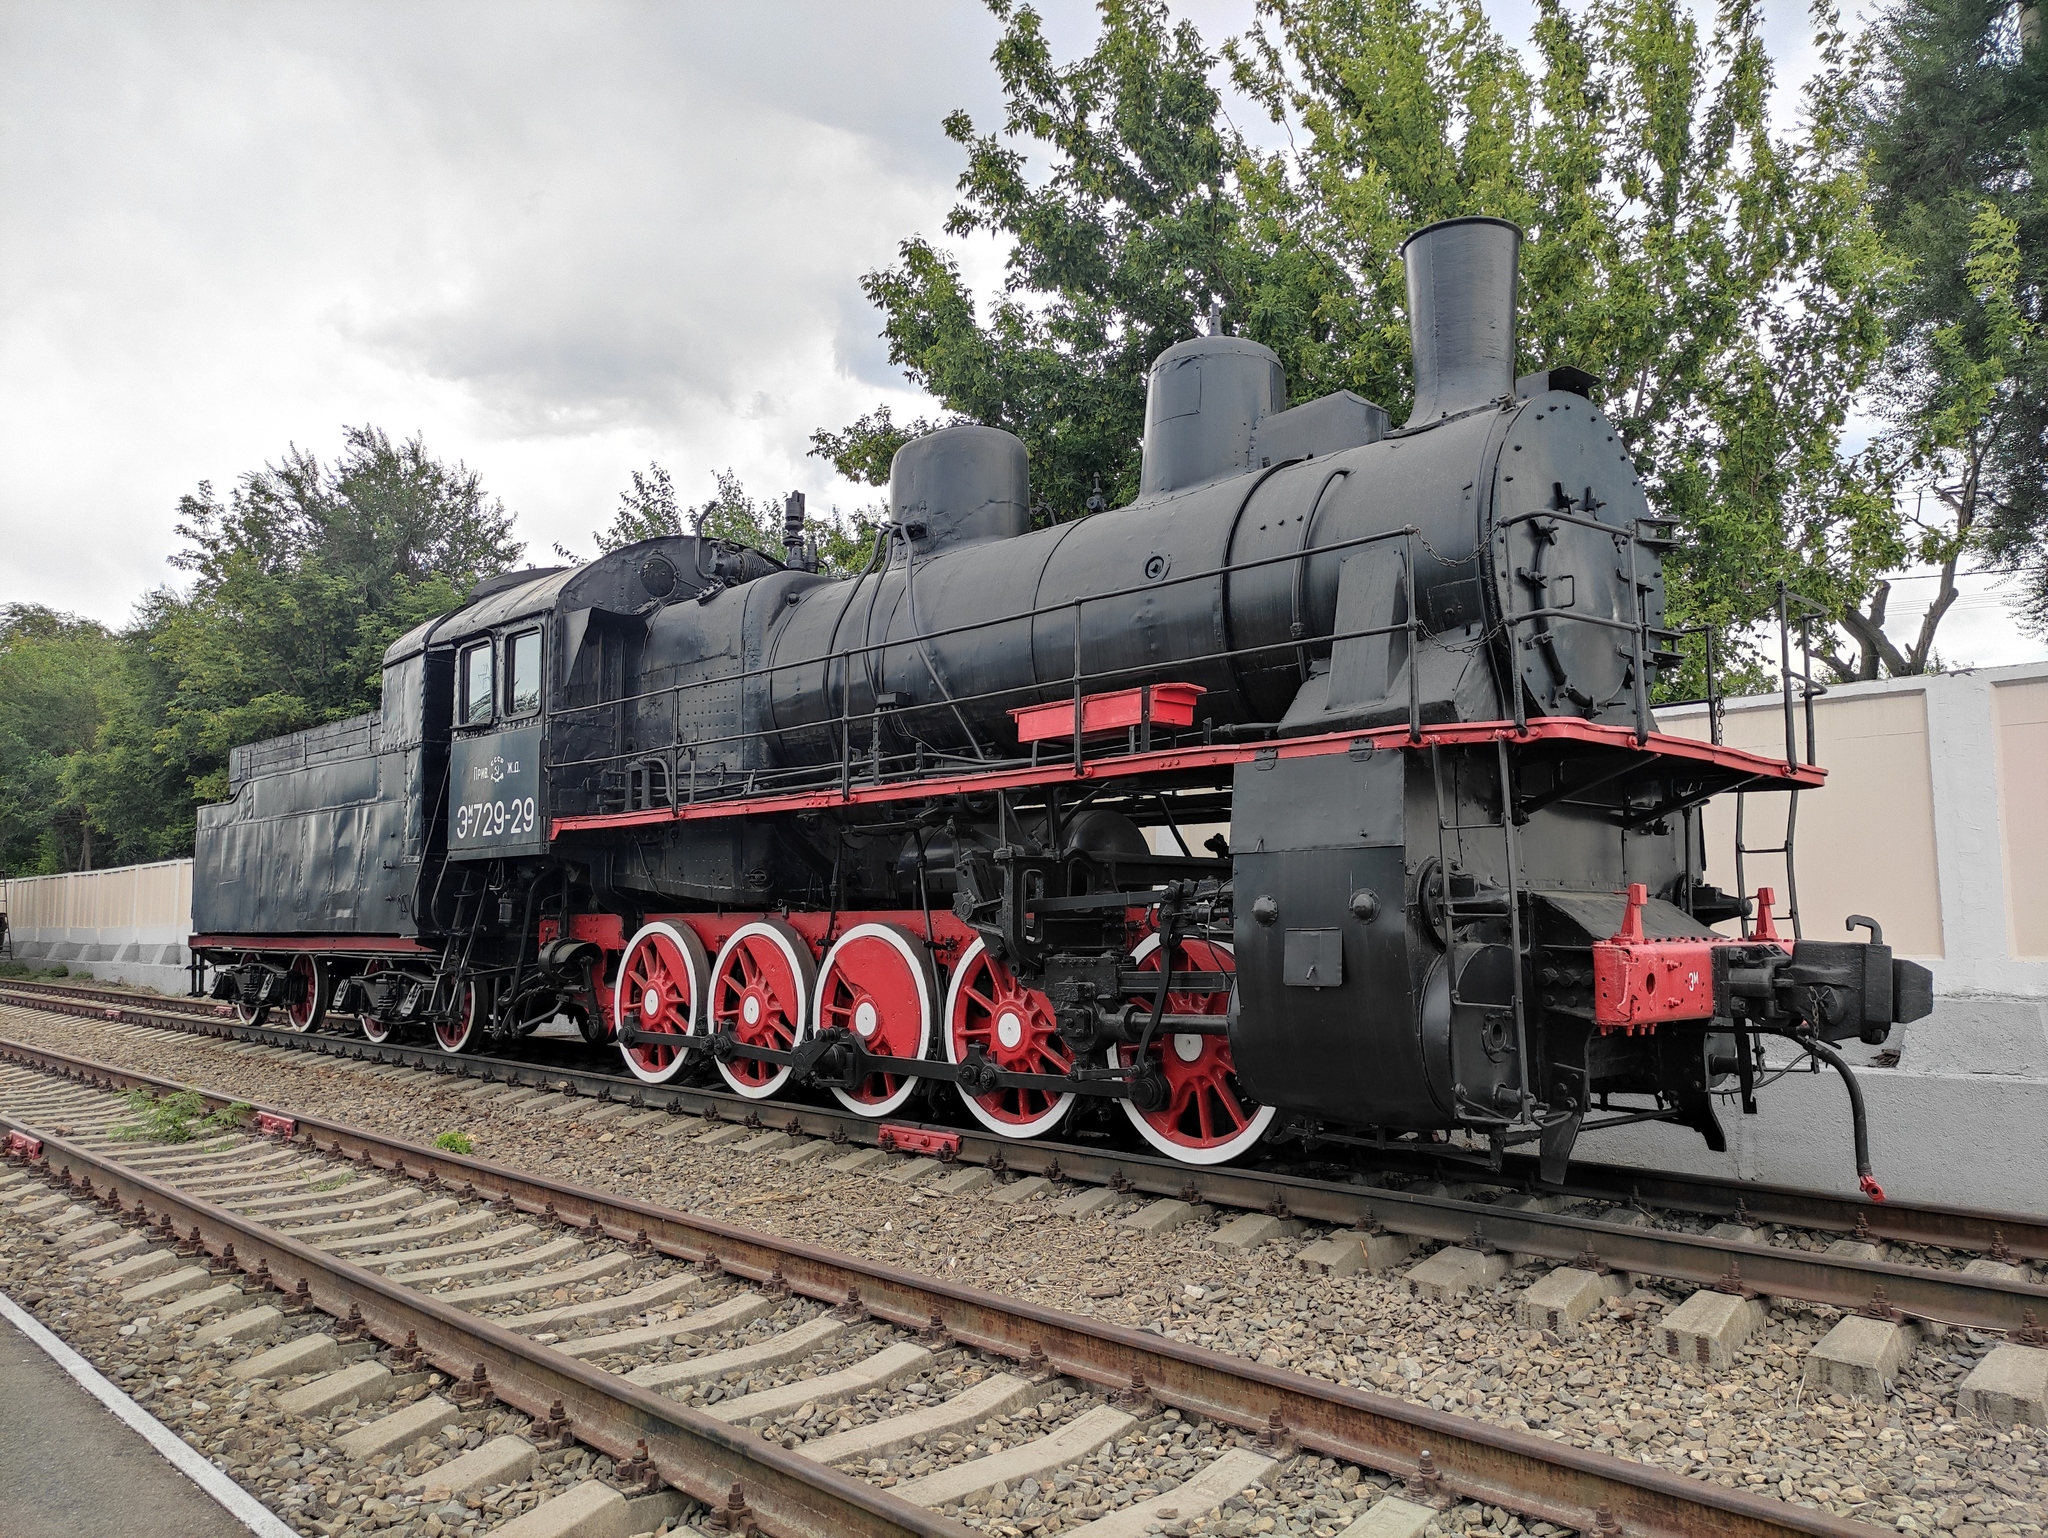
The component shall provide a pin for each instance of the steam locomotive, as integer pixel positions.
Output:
(1314, 794)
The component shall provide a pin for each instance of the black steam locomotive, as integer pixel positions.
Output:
(1315, 793)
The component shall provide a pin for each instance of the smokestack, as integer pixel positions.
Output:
(1461, 314)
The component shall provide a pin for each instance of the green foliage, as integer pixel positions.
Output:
(1955, 122)
(649, 508)
(176, 1118)
(23, 970)
(1723, 280)
(454, 1142)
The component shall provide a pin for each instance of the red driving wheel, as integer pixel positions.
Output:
(761, 993)
(876, 983)
(988, 1008)
(1207, 1118)
(460, 1031)
(661, 984)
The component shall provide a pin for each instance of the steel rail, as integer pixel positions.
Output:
(689, 1450)
(1441, 1455)
(1949, 1297)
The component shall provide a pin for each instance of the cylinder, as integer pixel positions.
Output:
(1461, 314)
(960, 484)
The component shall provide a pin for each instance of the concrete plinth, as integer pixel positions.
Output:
(1708, 1328)
(973, 1178)
(1391, 1517)
(1860, 1357)
(248, 1324)
(307, 1354)
(594, 1509)
(1163, 1216)
(859, 1159)
(1563, 1300)
(501, 1461)
(1346, 1252)
(401, 1428)
(1451, 1273)
(365, 1382)
(1086, 1203)
(2009, 1387)
(1249, 1230)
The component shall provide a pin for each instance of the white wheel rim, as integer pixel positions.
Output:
(1018, 1130)
(903, 947)
(801, 968)
(1254, 1129)
(691, 949)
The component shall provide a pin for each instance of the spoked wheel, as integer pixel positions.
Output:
(661, 987)
(465, 1028)
(761, 988)
(877, 982)
(250, 1014)
(1207, 1118)
(307, 984)
(373, 1028)
(988, 1008)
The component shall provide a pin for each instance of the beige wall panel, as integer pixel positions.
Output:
(154, 896)
(2019, 712)
(1866, 837)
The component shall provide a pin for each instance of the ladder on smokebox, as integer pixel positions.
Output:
(1448, 908)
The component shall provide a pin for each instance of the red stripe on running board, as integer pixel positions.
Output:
(1171, 760)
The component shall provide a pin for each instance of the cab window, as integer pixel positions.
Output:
(522, 674)
(473, 685)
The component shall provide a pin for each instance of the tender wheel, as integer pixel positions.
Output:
(308, 983)
(877, 982)
(249, 1014)
(463, 1030)
(761, 988)
(1013, 1025)
(1208, 1117)
(661, 986)
(373, 1028)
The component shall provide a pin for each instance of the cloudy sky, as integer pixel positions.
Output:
(559, 240)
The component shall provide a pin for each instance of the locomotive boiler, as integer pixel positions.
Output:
(1315, 794)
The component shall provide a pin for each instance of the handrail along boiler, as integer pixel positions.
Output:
(941, 827)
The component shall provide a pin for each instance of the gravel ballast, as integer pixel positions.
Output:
(1910, 1463)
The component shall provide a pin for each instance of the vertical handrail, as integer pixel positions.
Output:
(1077, 687)
(1791, 866)
(1638, 622)
(1514, 861)
(846, 729)
(1713, 693)
(1414, 640)
(1785, 679)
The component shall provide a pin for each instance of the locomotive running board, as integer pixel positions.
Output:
(1751, 771)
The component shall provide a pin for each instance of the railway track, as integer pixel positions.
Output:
(398, 1258)
(1967, 1275)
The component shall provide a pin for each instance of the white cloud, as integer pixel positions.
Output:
(558, 240)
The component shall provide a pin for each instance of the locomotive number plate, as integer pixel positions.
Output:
(494, 793)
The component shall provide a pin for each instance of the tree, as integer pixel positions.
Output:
(1128, 236)
(1955, 121)
(52, 672)
(302, 578)
(649, 508)
(1723, 281)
